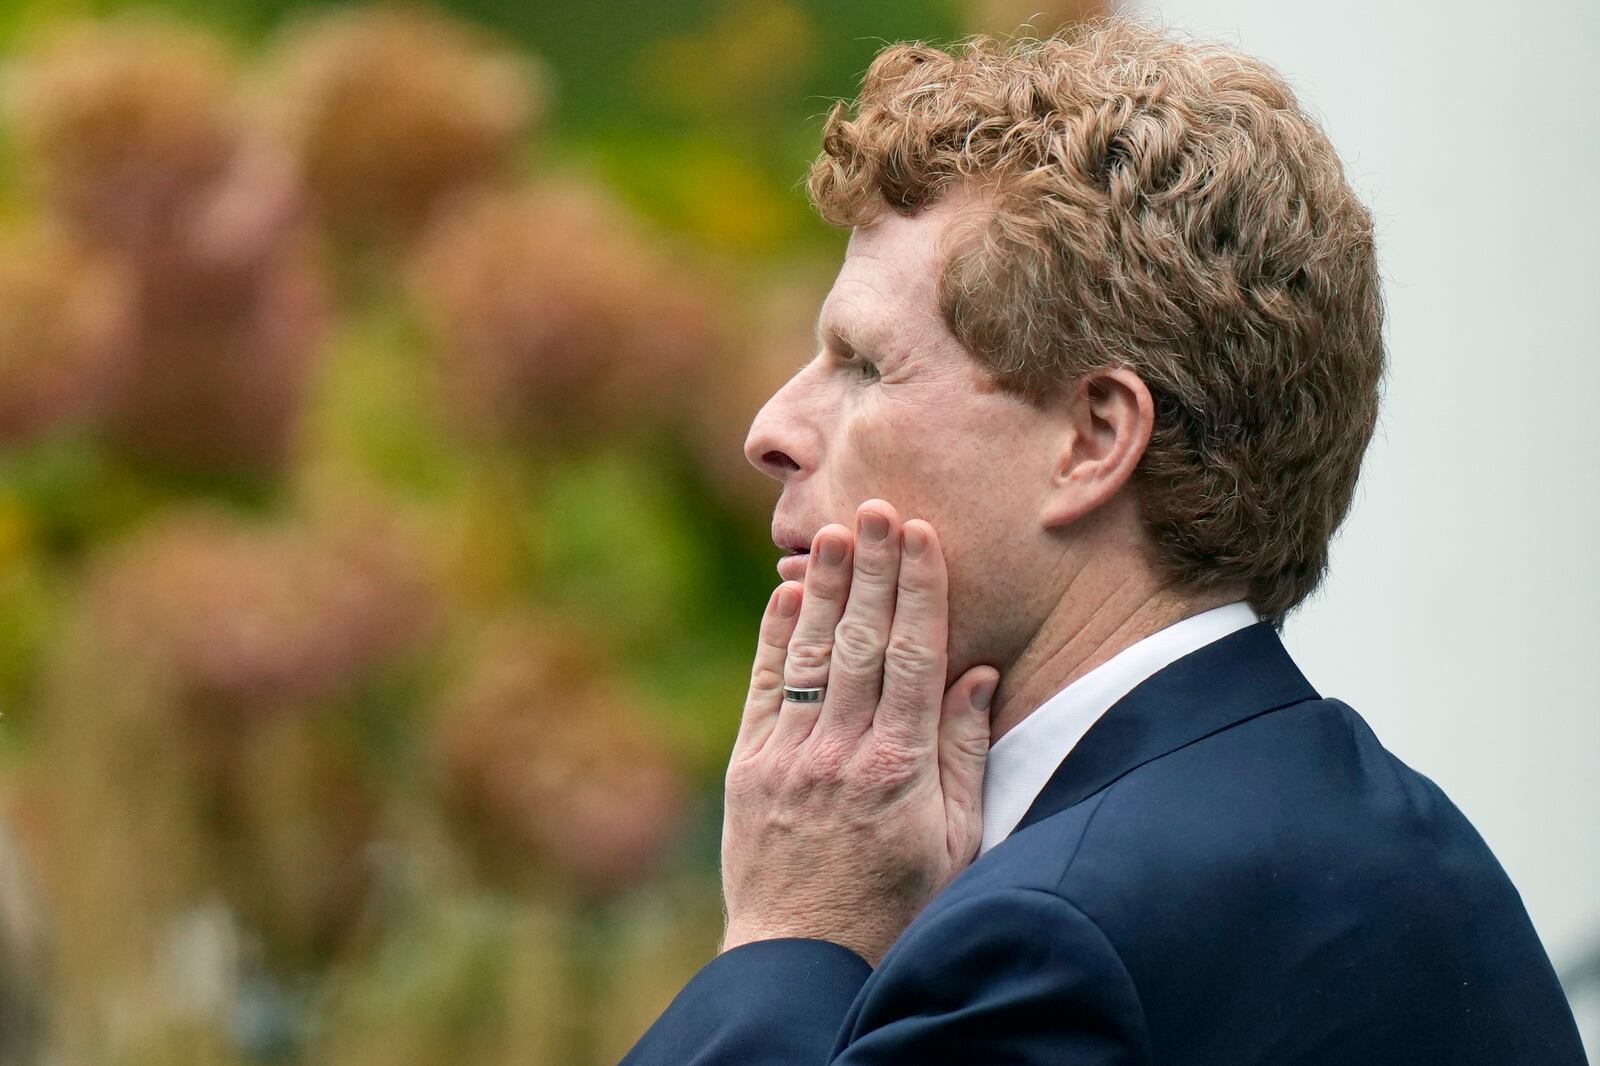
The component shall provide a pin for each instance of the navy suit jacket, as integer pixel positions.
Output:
(1227, 869)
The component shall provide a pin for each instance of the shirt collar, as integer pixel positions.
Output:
(1022, 761)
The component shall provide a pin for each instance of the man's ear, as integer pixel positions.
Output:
(1108, 417)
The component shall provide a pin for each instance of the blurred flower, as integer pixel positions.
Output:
(178, 758)
(239, 625)
(127, 120)
(390, 109)
(558, 319)
(132, 127)
(551, 764)
(254, 617)
(224, 362)
(65, 326)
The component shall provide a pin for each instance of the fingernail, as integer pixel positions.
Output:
(983, 694)
(874, 526)
(831, 551)
(788, 601)
(916, 541)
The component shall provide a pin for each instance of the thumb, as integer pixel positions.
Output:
(964, 746)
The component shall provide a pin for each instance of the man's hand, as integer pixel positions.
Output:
(844, 817)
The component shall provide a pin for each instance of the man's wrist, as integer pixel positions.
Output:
(869, 944)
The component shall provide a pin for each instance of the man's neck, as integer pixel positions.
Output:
(1083, 633)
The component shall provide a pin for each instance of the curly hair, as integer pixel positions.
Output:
(1161, 205)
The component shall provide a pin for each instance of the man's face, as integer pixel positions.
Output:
(892, 406)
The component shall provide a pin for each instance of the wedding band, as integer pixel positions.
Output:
(804, 695)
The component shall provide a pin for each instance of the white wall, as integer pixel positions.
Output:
(1461, 615)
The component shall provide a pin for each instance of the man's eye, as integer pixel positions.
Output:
(866, 367)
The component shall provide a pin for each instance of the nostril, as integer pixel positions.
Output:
(779, 459)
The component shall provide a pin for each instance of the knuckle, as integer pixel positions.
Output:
(828, 583)
(917, 596)
(910, 654)
(809, 656)
(825, 762)
(859, 644)
(889, 764)
(765, 678)
(876, 565)
(745, 779)
(972, 746)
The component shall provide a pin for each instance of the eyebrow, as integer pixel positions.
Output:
(855, 341)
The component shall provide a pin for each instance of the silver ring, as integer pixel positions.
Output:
(804, 695)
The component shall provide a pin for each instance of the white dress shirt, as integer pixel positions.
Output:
(1021, 762)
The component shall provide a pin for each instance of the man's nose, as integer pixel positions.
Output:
(780, 443)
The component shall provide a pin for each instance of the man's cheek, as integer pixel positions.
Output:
(870, 463)
(897, 457)
(966, 618)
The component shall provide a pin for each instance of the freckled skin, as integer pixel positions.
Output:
(926, 434)
(841, 823)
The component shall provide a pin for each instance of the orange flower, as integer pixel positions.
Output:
(65, 326)
(558, 318)
(390, 109)
(132, 126)
(550, 766)
(224, 360)
(253, 618)
(126, 121)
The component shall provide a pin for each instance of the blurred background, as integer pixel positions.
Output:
(378, 561)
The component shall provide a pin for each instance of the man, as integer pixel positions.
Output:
(1108, 327)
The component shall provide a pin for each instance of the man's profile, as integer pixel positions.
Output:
(1026, 774)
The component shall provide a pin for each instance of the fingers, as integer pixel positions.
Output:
(856, 674)
(827, 586)
(762, 705)
(914, 660)
(963, 755)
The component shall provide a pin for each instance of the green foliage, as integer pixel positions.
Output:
(238, 679)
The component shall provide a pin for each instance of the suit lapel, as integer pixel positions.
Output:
(1242, 675)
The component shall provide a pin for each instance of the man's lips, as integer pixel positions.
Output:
(792, 567)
